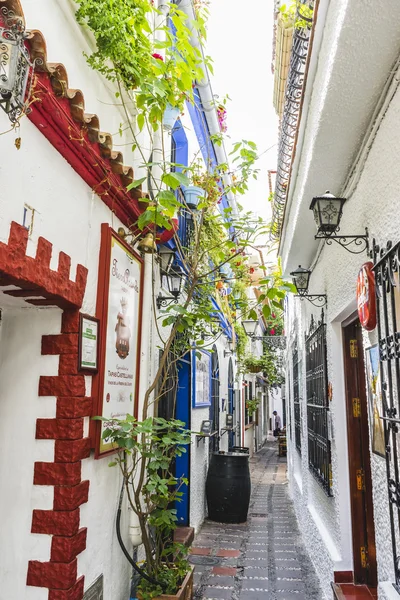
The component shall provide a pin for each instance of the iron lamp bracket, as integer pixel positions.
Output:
(356, 244)
(163, 301)
(318, 300)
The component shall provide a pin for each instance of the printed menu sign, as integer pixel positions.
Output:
(121, 327)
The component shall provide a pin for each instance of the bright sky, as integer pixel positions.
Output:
(240, 43)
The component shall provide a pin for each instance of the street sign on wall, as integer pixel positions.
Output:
(95, 592)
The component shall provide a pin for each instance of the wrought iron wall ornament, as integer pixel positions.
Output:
(387, 267)
(319, 446)
(301, 280)
(291, 114)
(296, 395)
(327, 210)
(15, 64)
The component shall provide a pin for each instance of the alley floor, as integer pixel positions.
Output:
(264, 558)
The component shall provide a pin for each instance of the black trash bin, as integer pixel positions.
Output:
(228, 487)
(241, 449)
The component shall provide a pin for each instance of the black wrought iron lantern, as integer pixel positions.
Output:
(301, 281)
(166, 256)
(327, 211)
(250, 327)
(14, 64)
(174, 279)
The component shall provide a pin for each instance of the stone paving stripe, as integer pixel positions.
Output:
(224, 571)
(201, 551)
(225, 553)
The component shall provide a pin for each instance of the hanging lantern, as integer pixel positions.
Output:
(14, 64)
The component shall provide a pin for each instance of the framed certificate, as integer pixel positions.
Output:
(119, 308)
(88, 350)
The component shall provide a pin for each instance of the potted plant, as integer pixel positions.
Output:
(170, 116)
(193, 195)
(145, 454)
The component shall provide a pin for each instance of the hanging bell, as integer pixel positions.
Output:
(147, 244)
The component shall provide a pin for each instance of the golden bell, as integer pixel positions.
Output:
(147, 244)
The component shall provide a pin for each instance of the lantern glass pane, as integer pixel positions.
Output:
(174, 279)
(8, 63)
(327, 213)
(250, 327)
(166, 258)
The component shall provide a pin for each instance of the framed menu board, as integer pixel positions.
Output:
(119, 308)
(201, 379)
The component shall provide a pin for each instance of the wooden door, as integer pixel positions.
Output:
(362, 514)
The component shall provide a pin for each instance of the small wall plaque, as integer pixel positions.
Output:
(95, 592)
(88, 344)
(206, 427)
(229, 420)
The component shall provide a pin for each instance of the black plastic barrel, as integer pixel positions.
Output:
(228, 487)
(241, 449)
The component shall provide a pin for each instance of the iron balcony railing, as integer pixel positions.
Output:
(291, 112)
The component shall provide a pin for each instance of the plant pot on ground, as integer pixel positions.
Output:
(146, 453)
(185, 591)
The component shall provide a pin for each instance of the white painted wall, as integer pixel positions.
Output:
(325, 522)
(69, 215)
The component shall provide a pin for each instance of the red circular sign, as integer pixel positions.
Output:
(366, 301)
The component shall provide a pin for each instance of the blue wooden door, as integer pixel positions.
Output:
(182, 463)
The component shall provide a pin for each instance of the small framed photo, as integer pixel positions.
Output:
(88, 350)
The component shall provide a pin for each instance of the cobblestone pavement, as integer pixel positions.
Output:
(264, 558)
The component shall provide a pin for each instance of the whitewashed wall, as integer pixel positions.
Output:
(325, 521)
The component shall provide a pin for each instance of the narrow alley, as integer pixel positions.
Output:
(263, 558)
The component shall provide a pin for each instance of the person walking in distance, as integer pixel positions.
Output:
(278, 424)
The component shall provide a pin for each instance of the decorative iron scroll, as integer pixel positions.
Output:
(291, 113)
(387, 268)
(296, 396)
(319, 446)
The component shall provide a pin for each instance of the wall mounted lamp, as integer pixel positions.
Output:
(301, 280)
(250, 328)
(230, 350)
(327, 211)
(166, 258)
(15, 65)
(174, 279)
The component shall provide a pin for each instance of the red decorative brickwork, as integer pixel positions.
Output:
(65, 549)
(70, 497)
(71, 450)
(33, 274)
(59, 429)
(52, 575)
(72, 408)
(56, 522)
(64, 473)
(74, 593)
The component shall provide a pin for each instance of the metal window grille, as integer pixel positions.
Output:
(296, 397)
(387, 268)
(319, 446)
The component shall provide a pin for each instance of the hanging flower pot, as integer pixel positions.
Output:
(170, 116)
(193, 195)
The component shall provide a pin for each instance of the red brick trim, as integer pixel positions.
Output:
(64, 473)
(34, 273)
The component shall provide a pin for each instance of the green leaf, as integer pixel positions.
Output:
(175, 179)
(135, 183)
(140, 121)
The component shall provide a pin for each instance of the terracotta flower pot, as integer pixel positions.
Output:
(254, 369)
(185, 592)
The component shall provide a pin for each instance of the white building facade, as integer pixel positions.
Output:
(63, 200)
(342, 449)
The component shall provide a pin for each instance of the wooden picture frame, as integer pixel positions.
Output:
(200, 397)
(88, 344)
(119, 309)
